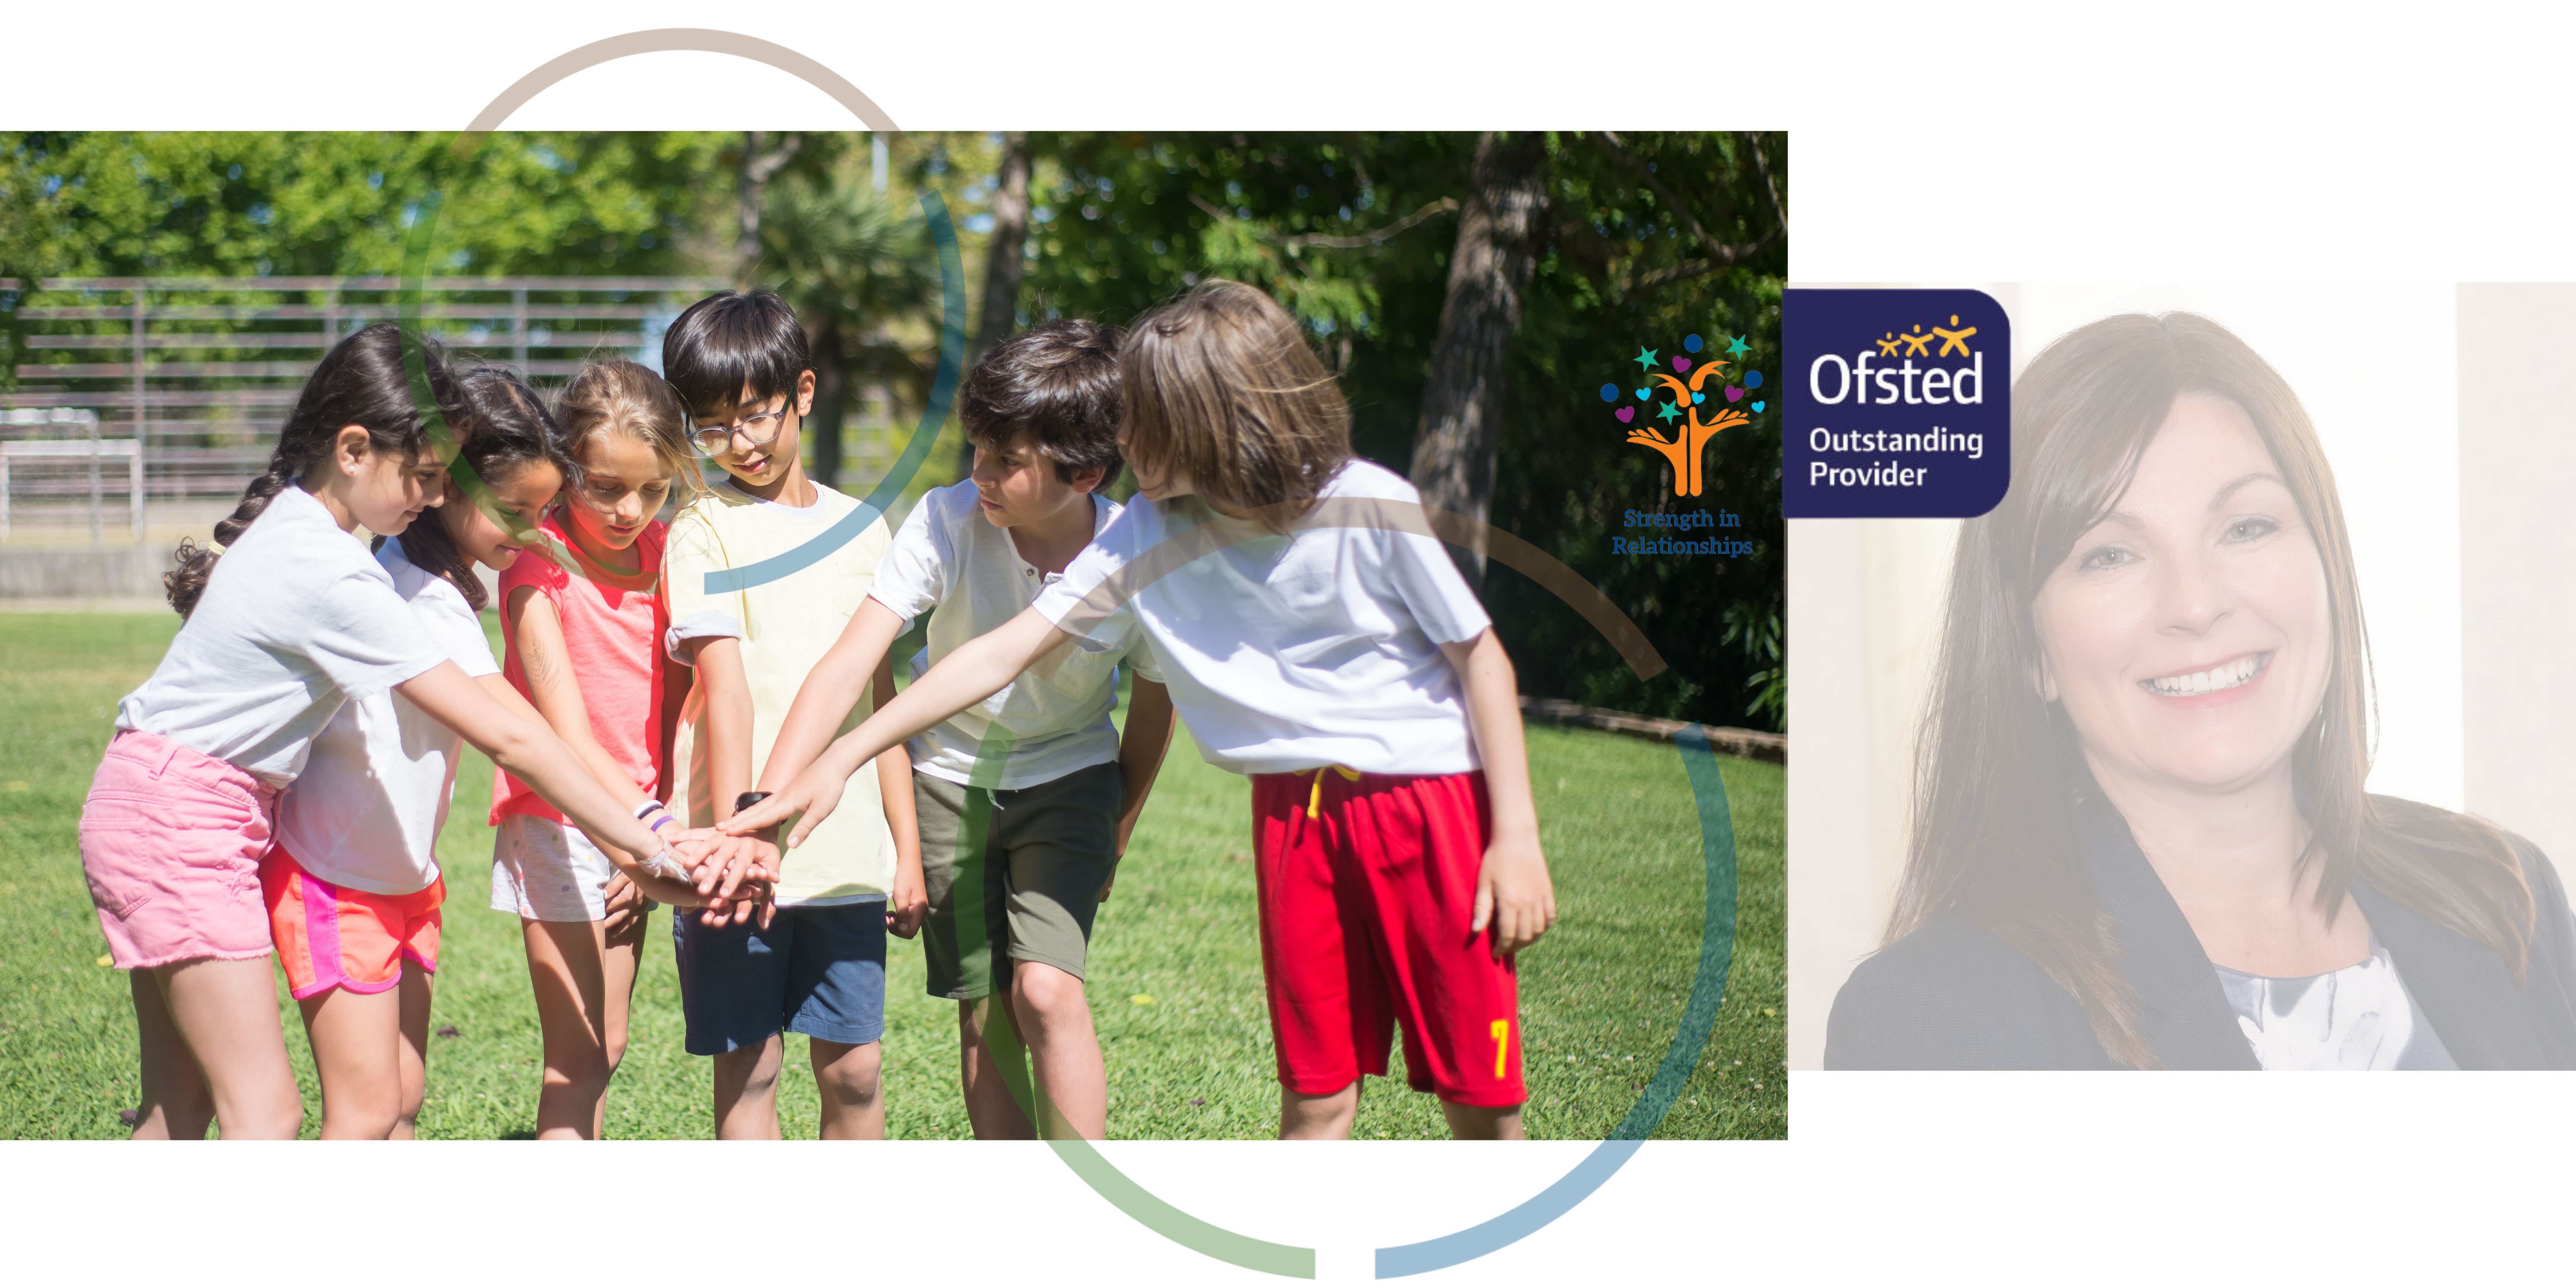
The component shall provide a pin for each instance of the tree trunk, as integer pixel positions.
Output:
(831, 403)
(1002, 262)
(758, 168)
(1462, 404)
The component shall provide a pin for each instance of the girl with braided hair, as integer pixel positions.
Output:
(290, 624)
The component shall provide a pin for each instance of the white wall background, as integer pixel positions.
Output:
(2518, 565)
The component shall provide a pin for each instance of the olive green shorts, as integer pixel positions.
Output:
(1029, 890)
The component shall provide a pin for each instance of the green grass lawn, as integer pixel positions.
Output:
(1176, 972)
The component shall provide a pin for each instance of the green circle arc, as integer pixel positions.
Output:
(1082, 1157)
(1717, 925)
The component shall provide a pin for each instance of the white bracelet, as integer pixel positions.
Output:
(646, 808)
(666, 866)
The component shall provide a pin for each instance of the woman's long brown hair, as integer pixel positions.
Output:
(1998, 773)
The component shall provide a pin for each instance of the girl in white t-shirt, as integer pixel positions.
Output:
(352, 882)
(291, 623)
(1315, 636)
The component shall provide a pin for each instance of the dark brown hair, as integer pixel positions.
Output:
(1220, 382)
(730, 341)
(500, 427)
(1056, 383)
(1998, 773)
(361, 381)
(622, 396)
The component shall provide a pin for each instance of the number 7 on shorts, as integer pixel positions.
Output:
(1502, 1044)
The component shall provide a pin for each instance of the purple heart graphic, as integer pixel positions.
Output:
(1734, 393)
(1680, 363)
(1627, 414)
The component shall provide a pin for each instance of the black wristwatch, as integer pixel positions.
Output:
(746, 801)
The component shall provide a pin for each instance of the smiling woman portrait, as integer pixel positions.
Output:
(2140, 836)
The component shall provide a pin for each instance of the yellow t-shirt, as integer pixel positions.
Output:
(785, 627)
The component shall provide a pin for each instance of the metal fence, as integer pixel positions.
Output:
(142, 405)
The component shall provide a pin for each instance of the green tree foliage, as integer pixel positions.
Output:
(1648, 239)
(321, 203)
(856, 265)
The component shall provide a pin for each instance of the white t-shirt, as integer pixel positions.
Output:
(1291, 652)
(297, 617)
(948, 557)
(785, 626)
(365, 812)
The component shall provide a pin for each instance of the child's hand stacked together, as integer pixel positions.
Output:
(736, 877)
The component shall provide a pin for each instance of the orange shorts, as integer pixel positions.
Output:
(332, 937)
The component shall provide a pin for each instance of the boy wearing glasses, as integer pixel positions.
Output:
(739, 361)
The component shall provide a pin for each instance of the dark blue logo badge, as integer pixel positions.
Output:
(1897, 404)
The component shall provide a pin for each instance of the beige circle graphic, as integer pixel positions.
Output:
(684, 39)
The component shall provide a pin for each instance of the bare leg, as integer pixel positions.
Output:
(1073, 1087)
(566, 964)
(746, 1081)
(1303, 1117)
(1470, 1122)
(621, 956)
(415, 1049)
(357, 1045)
(177, 1103)
(985, 1038)
(846, 1076)
(226, 1015)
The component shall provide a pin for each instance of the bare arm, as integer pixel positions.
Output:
(537, 639)
(1141, 747)
(536, 635)
(1513, 892)
(908, 904)
(829, 693)
(676, 683)
(498, 687)
(962, 679)
(726, 725)
(530, 750)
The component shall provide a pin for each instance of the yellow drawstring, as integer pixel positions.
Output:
(1315, 799)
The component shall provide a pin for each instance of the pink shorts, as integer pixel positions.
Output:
(170, 841)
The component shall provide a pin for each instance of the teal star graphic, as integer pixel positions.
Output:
(1737, 348)
(1645, 357)
(1669, 411)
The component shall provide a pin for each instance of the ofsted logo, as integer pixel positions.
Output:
(1899, 427)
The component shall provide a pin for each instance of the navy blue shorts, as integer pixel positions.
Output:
(815, 971)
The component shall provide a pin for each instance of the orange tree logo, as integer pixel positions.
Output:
(1682, 394)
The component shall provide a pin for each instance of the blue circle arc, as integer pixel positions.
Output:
(943, 391)
(1699, 1016)
(1698, 758)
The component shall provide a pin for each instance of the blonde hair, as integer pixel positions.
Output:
(1220, 383)
(616, 394)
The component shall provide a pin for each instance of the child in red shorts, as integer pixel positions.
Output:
(1315, 636)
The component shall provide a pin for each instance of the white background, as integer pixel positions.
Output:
(1929, 142)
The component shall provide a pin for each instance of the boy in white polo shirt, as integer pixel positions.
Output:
(739, 361)
(1026, 800)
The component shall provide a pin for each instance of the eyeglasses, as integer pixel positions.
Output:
(760, 429)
